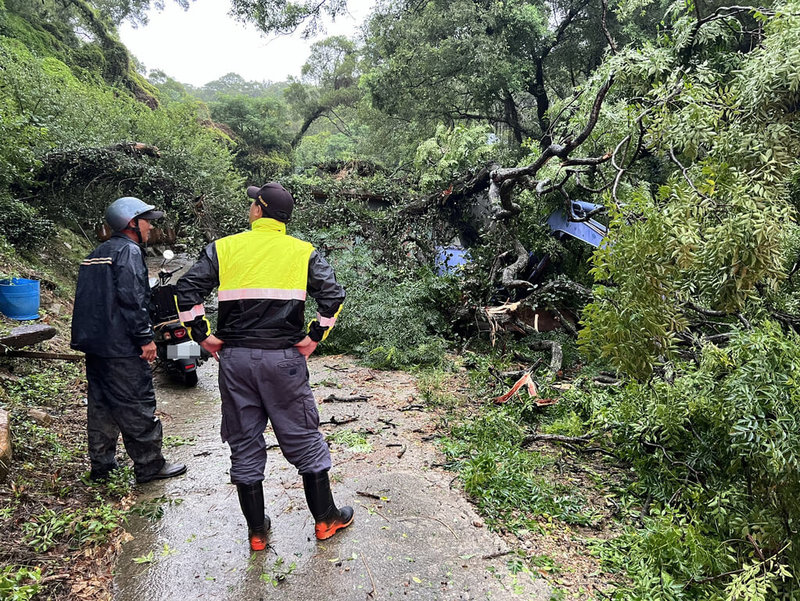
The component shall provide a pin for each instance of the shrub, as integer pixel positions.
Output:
(22, 225)
(62, 149)
(390, 320)
(512, 486)
(718, 451)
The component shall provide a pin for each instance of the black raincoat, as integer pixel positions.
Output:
(111, 318)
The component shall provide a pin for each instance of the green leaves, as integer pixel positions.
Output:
(717, 450)
(285, 17)
(716, 233)
(450, 153)
(19, 583)
(90, 525)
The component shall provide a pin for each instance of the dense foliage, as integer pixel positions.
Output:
(716, 450)
(68, 154)
(718, 231)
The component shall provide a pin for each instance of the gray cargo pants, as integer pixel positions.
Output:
(121, 399)
(269, 385)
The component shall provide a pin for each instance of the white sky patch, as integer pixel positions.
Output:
(204, 43)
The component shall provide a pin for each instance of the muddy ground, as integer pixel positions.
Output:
(414, 535)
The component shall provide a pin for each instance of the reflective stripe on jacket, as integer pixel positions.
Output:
(263, 277)
(110, 317)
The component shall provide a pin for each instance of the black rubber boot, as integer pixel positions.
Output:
(251, 500)
(168, 470)
(327, 517)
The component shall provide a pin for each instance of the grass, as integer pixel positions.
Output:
(354, 441)
(436, 388)
(512, 487)
(46, 497)
(171, 442)
(44, 385)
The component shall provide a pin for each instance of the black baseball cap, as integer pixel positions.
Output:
(274, 200)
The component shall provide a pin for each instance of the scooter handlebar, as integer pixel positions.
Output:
(164, 276)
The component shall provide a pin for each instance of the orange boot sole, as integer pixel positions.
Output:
(325, 530)
(258, 541)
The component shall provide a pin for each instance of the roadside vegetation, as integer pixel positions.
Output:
(656, 428)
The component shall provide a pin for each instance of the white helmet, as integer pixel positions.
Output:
(121, 211)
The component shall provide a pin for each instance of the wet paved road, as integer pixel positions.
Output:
(414, 536)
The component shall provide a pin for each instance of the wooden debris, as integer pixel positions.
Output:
(526, 381)
(373, 592)
(336, 367)
(332, 398)
(32, 334)
(522, 318)
(531, 438)
(557, 355)
(44, 355)
(370, 495)
(575, 443)
(335, 421)
(27, 335)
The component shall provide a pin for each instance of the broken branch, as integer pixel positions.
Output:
(332, 398)
(334, 421)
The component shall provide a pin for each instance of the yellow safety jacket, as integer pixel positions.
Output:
(263, 276)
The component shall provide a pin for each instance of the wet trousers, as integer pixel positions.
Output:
(121, 399)
(259, 386)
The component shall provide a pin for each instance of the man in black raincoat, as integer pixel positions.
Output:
(111, 324)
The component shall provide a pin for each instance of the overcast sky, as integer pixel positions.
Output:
(203, 43)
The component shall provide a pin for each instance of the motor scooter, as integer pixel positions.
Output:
(176, 351)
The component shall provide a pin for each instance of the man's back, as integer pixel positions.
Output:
(263, 276)
(263, 258)
(110, 315)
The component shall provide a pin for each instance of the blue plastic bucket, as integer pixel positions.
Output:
(19, 298)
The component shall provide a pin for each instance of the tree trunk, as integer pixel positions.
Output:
(512, 117)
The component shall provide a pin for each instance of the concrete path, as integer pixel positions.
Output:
(415, 536)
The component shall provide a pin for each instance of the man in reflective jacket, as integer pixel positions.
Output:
(111, 324)
(262, 346)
